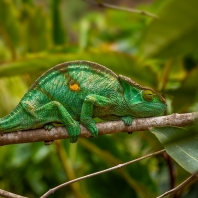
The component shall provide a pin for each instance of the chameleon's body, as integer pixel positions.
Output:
(76, 92)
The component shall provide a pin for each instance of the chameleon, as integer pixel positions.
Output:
(76, 92)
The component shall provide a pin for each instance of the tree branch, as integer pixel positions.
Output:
(112, 127)
(193, 178)
(7, 194)
(105, 5)
(51, 191)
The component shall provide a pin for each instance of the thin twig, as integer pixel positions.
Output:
(105, 5)
(51, 191)
(104, 128)
(180, 186)
(7, 194)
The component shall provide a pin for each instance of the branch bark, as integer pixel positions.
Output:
(7, 194)
(112, 127)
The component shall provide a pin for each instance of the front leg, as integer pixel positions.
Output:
(87, 111)
(128, 121)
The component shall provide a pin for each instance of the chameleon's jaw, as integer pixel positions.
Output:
(157, 108)
(148, 109)
(163, 108)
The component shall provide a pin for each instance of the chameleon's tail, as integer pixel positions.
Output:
(12, 122)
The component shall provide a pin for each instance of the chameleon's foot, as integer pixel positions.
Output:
(91, 126)
(74, 132)
(93, 129)
(127, 120)
(48, 142)
(48, 126)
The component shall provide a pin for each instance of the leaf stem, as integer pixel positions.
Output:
(170, 169)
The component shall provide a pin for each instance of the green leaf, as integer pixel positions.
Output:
(11, 91)
(180, 144)
(58, 29)
(120, 63)
(175, 32)
(9, 26)
(36, 26)
(186, 95)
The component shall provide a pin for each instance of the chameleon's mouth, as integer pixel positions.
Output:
(159, 106)
(149, 109)
(162, 105)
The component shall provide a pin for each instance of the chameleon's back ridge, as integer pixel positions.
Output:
(74, 93)
(64, 66)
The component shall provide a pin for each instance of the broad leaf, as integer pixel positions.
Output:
(118, 62)
(180, 144)
(175, 32)
(186, 95)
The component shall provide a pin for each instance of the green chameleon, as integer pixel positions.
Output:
(76, 92)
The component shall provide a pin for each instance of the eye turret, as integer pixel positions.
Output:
(148, 95)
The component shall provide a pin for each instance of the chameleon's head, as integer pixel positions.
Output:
(143, 102)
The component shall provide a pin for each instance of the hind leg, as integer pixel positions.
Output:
(56, 112)
(48, 126)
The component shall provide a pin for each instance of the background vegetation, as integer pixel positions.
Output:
(160, 53)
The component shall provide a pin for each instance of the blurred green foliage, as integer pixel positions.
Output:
(159, 53)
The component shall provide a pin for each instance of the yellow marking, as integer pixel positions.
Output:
(74, 87)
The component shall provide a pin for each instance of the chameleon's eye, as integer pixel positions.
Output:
(147, 95)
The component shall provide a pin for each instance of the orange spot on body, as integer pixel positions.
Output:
(74, 87)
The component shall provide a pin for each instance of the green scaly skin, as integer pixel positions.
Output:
(74, 93)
